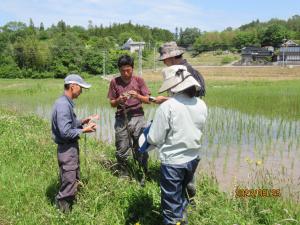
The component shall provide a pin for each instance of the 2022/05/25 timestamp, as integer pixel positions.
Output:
(258, 192)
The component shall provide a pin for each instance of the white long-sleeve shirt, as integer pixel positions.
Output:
(177, 129)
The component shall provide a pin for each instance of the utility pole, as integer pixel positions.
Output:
(154, 59)
(103, 62)
(283, 50)
(140, 60)
(283, 55)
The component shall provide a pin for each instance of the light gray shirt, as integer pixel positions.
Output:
(65, 126)
(177, 129)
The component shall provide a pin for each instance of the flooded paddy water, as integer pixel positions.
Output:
(237, 148)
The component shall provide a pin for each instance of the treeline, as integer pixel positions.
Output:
(29, 51)
(36, 52)
(256, 33)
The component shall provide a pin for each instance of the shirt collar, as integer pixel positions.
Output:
(70, 101)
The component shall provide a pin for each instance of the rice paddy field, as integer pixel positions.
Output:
(251, 142)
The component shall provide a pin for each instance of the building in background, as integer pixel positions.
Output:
(133, 46)
(289, 53)
(257, 55)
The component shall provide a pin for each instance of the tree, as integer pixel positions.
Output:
(62, 27)
(274, 35)
(67, 50)
(246, 38)
(176, 34)
(208, 41)
(31, 27)
(15, 29)
(28, 54)
(43, 35)
(41, 27)
(188, 36)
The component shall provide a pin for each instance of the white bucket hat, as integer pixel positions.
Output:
(177, 79)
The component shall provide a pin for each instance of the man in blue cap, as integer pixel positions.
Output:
(66, 130)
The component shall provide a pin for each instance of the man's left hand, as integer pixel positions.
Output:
(133, 94)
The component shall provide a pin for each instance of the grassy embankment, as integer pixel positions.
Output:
(28, 183)
(203, 59)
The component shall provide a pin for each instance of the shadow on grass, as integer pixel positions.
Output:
(154, 172)
(141, 209)
(133, 168)
(52, 190)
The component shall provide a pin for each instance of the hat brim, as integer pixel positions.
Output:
(169, 83)
(188, 82)
(170, 55)
(83, 84)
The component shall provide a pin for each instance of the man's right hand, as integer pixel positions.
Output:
(122, 99)
(91, 127)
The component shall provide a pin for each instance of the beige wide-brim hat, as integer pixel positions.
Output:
(168, 50)
(177, 79)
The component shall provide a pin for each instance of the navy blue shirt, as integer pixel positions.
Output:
(65, 126)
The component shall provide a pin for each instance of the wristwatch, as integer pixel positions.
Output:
(152, 99)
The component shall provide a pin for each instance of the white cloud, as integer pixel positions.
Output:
(165, 14)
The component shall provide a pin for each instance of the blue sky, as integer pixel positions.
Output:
(206, 15)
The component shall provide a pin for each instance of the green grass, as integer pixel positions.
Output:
(274, 99)
(211, 58)
(29, 182)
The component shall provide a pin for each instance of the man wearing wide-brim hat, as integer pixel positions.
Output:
(171, 55)
(176, 131)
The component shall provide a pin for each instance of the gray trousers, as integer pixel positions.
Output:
(69, 169)
(136, 126)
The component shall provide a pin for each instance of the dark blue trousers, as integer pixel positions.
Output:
(173, 181)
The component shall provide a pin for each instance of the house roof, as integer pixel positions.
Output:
(289, 43)
(130, 42)
(258, 51)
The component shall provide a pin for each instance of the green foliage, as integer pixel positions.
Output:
(60, 71)
(246, 38)
(188, 36)
(274, 35)
(61, 49)
(227, 59)
(67, 50)
(10, 71)
(255, 33)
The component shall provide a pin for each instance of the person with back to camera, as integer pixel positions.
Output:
(176, 131)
